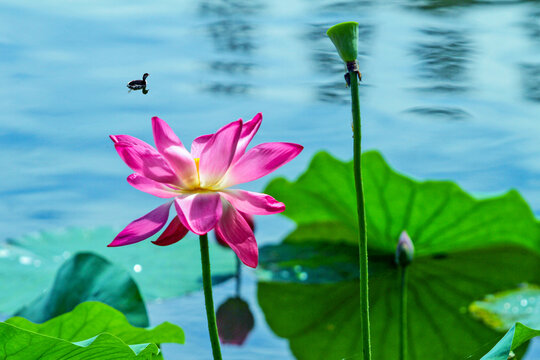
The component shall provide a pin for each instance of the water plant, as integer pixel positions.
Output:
(456, 262)
(516, 336)
(198, 182)
(345, 38)
(91, 330)
(36, 258)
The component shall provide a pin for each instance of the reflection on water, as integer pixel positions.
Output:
(334, 92)
(231, 67)
(353, 6)
(230, 7)
(233, 35)
(443, 55)
(434, 5)
(234, 317)
(451, 61)
(440, 112)
(530, 77)
(531, 24)
(234, 321)
(231, 89)
(143, 90)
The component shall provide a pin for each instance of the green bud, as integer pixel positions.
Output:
(405, 250)
(345, 39)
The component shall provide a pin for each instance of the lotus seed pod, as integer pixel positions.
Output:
(345, 39)
(405, 250)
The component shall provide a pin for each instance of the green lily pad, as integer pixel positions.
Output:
(92, 318)
(502, 310)
(310, 262)
(465, 248)
(514, 338)
(19, 344)
(92, 330)
(438, 215)
(161, 272)
(88, 277)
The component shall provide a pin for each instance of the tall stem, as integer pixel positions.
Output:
(403, 315)
(238, 276)
(208, 299)
(364, 295)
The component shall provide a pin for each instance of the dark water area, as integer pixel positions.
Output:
(451, 90)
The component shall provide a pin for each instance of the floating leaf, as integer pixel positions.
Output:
(160, 272)
(515, 337)
(92, 318)
(19, 344)
(92, 330)
(502, 310)
(86, 277)
(461, 245)
(315, 262)
(437, 215)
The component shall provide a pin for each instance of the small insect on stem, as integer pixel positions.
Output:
(348, 77)
(352, 66)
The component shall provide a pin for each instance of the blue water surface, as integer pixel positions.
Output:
(449, 92)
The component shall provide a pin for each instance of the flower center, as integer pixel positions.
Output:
(199, 189)
(197, 160)
(196, 188)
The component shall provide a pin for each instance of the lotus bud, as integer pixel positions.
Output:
(234, 321)
(405, 250)
(345, 39)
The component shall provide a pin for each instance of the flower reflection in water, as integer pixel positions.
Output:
(234, 318)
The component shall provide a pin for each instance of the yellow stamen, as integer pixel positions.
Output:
(197, 160)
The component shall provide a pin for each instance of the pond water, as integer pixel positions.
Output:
(450, 91)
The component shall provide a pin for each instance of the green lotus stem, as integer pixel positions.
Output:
(345, 39)
(208, 298)
(238, 276)
(364, 290)
(403, 315)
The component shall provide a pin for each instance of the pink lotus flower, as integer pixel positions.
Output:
(198, 182)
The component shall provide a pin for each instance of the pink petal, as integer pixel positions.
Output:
(218, 154)
(260, 161)
(198, 145)
(149, 186)
(172, 234)
(172, 149)
(143, 227)
(252, 202)
(130, 140)
(249, 129)
(199, 212)
(235, 231)
(163, 134)
(249, 220)
(146, 161)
